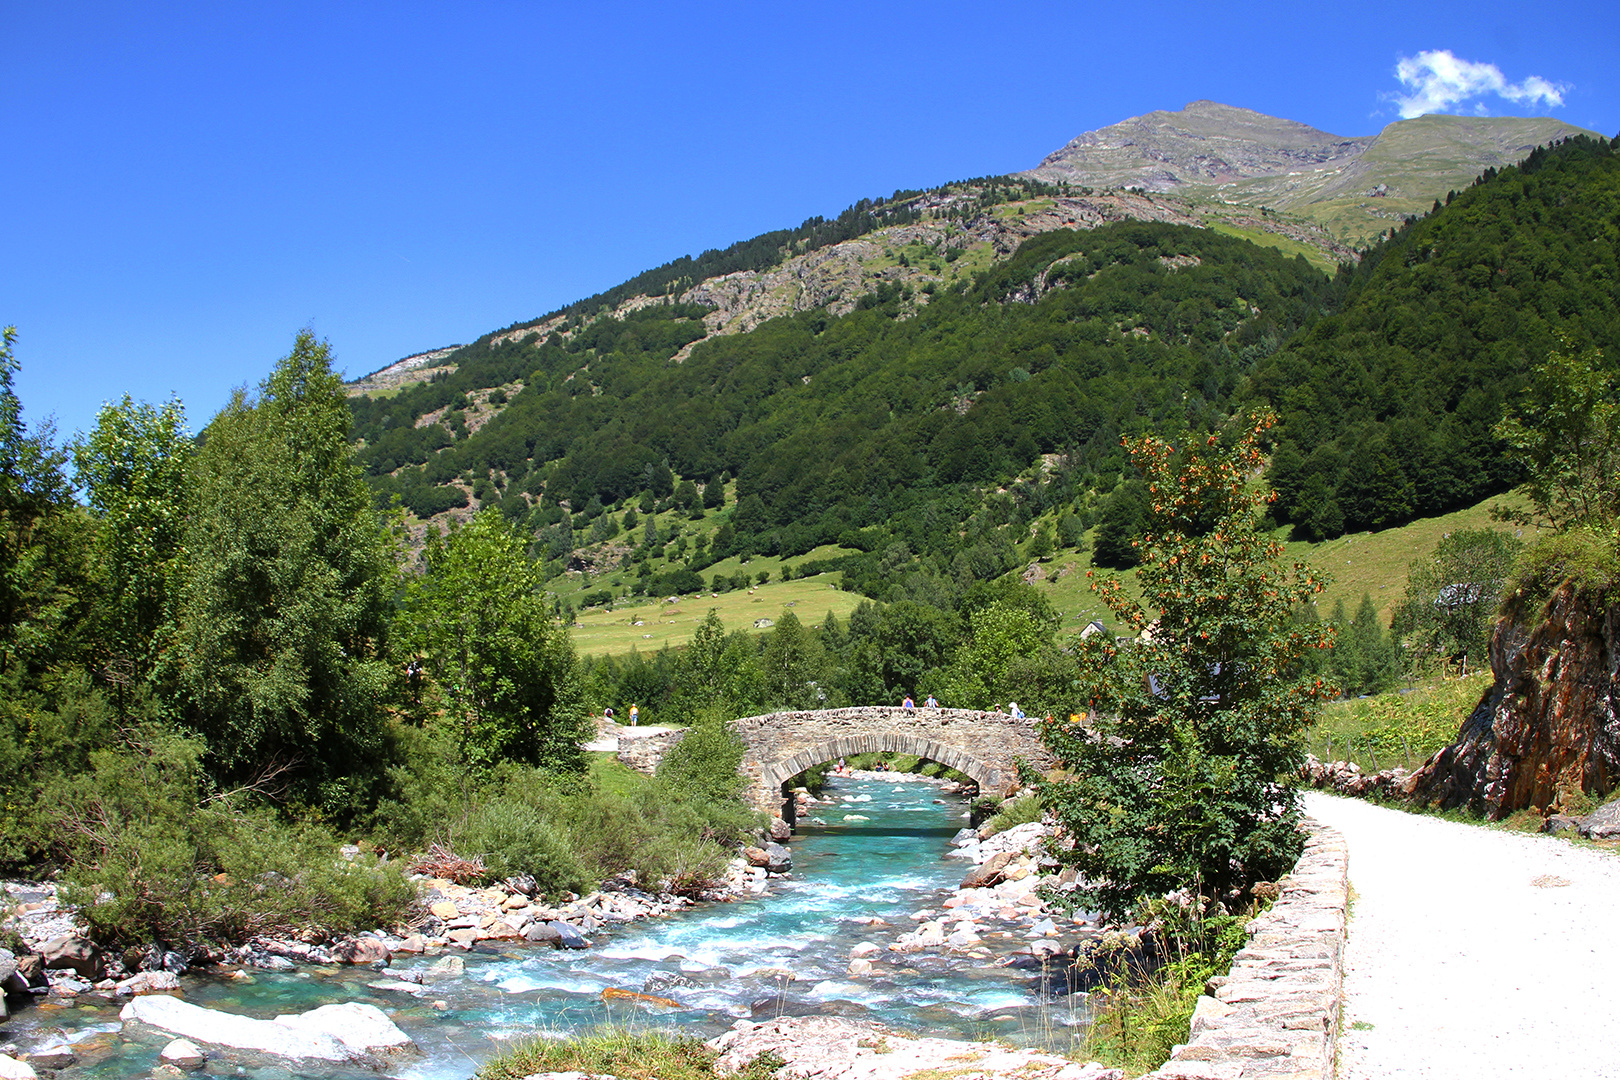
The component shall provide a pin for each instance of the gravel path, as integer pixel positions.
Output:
(1474, 952)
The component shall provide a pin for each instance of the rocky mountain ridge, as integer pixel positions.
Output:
(1356, 186)
(1276, 181)
(934, 253)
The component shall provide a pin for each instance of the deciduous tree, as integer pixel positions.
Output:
(1180, 776)
(477, 620)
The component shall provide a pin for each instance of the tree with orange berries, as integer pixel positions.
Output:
(1181, 776)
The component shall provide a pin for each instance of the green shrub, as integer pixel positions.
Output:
(516, 838)
(149, 860)
(1019, 811)
(1587, 558)
(621, 1051)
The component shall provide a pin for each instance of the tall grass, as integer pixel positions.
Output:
(621, 1051)
(1400, 727)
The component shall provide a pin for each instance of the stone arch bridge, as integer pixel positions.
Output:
(984, 745)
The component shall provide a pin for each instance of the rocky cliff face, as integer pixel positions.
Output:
(1549, 726)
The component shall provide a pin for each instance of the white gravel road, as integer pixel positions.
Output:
(1473, 952)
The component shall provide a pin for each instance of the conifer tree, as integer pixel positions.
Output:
(284, 601)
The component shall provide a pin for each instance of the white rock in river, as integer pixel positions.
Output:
(12, 1069)
(359, 1027)
(183, 1054)
(339, 1033)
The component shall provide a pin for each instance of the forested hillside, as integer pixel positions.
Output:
(1388, 408)
(888, 422)
(833, 424)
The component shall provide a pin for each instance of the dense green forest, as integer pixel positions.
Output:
(1388, 407)
(833, 425)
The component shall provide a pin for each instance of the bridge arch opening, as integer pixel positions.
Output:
(777, 799)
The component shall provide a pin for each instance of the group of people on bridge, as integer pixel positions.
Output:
(933, 703)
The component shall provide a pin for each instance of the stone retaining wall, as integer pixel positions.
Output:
(1277, 1014)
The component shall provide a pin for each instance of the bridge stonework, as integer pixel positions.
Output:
(984, 745)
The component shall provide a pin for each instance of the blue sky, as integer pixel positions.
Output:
(186, 185)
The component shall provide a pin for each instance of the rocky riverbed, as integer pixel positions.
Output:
(984, 957)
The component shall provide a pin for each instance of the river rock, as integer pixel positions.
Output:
(271, 962)
(183, 1054)
(860, 967)
(362, 1028)
(238, 1032)
(361, 950)
(55, 1056)
(844, 1047)
(568, 937)
(778, 860)
(780, 829)
(30, 973)
(399, 986)
(70, 952)
(989, 873)
(542, 931)
(12, 1069)
(756, 856)
(865, 948)
(447, 967)
(148, 982)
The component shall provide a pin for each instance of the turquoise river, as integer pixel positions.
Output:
(784, 953)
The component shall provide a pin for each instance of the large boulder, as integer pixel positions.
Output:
(183, 1054)
(30, 974)
(362, 1028)
(538, 932)
(778, 860)
(70, 952)
(12, 1069)
(568, 937)
(331, 1033)
(149, 982)
(1602, 823)
(361, 950)
(1548, 727)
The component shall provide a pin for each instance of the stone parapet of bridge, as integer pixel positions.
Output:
(986, 746)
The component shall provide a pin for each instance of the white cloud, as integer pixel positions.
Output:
(1437, 81)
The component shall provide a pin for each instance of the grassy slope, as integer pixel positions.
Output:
(1373, 563)
(599, 632)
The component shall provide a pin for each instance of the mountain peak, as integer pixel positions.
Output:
(1357, 186)
(1206, 142)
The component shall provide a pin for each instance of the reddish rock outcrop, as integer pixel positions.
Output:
(1549, 726)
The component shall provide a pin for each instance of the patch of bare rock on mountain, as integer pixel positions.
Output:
(1205, 143)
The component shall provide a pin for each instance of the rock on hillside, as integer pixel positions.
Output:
(1549, 726)
(834, 278)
